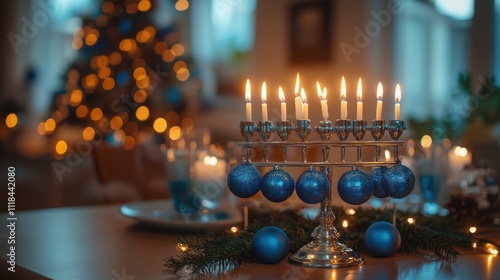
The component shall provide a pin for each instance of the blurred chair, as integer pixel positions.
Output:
(129, 175)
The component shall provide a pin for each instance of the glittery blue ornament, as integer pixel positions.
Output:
(270, 245)
(244, 180)
(277, 185)
(398, 181)
(376, 176)
(355, 187)
(312, 186)
(382, 239)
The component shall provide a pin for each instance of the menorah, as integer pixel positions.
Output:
(324, 251)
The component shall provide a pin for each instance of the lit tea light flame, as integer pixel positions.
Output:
(345, 224)
(350, 211)
(411, 221)
(182, 247)
(387, 155)
(234, 230)
(472, 229)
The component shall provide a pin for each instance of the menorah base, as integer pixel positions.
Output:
(326, 255)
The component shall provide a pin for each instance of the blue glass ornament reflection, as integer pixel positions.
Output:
(376, 176)
(312, 186)
(355, 187)
(277, 185)
(244, 180)
(382, 239)
(270, 245)
(399, 181)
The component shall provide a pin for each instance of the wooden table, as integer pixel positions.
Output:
(97, 242)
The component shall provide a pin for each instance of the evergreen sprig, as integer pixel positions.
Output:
(218, 252)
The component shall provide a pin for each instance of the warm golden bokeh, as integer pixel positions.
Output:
(142, 113)
(88, 133)
(61, 147)
(82, 111)
(160, 125)
(96, 114)
(11, 120)
(175, 133)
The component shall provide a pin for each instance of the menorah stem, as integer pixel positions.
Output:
(247, 159)
(396, 154)
(284, 154)
(359, 153)
(326, 153)
(304, 157)
(377, 153)
(266, 156)
(342, 154)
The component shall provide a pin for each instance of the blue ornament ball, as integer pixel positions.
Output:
(270, 245)
(244, 180)
(398, 181)
(377, 176)
(355, 187)
(382, 239)
(277, 185)
(312, 186)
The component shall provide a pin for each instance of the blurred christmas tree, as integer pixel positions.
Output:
(129, 80)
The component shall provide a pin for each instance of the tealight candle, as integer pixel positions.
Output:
(397, 106)
(324, 104)
(298, 100)
(249, 101)
(343, 102)
(359, 111)
(264, 102)
(305, 106)
(283, 104)
(380, 93)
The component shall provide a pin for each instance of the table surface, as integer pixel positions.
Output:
(97, 242)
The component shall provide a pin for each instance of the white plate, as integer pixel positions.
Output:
(161, 213)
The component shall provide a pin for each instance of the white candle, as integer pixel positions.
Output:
(264, 102)
(397, 106)
(359, 111)
(324, 104)
(283, 104)
(305, 106)
(343, 102)
(249, 101)
(380, 93)
(298, 100)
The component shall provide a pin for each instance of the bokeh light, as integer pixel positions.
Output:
(160, 125)
(11, 120)
(142, 113)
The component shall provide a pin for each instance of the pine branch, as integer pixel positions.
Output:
(216, 253)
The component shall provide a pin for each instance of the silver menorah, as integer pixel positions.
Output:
(324, 251)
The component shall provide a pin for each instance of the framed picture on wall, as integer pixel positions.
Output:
(310, 32)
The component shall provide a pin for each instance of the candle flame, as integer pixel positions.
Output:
(398, 93)
(303, 95)
(387, 155)
(281, 94)
(248, 95)
(297, 85)
(360, 90)
(320, 93)
(324, 93)
(342, 89)
(380, 91)
(264, 93)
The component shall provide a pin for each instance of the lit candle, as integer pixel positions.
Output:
(249, 101)
(397, 106)
(343, 102)
(305, 106)
(283, 104)
(298, 100)
(324, 104)
(359, 112)
(380, 92)
(264, 102)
